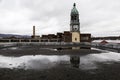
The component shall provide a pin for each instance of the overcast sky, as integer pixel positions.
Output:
(98, 17)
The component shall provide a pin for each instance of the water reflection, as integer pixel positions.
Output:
(39, 61)
(33, 62)
(75, 48)
(75, 61)
(48, 61)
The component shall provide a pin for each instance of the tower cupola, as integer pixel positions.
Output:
(74, 11)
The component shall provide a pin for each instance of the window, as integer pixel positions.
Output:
(85, 38)
(75, 39)
(72, 17)
(75, 17)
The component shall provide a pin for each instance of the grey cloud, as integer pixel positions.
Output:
(94, 15)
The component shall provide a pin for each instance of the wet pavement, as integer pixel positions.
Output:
(94, 66)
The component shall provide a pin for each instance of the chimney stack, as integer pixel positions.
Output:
(33, 31)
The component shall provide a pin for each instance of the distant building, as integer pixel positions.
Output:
(75, 27)
(85, 37)
(103, 42)
(75, 24)
(67, 36)
(73, 35)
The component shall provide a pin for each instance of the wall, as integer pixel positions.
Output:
(75, 37)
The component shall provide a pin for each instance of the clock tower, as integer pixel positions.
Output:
(75, 24)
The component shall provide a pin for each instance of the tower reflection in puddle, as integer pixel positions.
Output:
(75, 48)
(75, 61)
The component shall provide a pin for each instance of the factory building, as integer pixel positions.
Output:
(74, 35)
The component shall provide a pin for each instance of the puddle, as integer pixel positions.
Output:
(11, 48)
(86, 62)
(31, 62)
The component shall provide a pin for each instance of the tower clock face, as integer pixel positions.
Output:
(75, 28)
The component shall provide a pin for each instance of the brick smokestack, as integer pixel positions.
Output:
(33, 31)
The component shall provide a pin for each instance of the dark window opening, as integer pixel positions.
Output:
(75, 39)
(73, 17)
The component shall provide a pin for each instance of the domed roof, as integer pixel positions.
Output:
(74, 10)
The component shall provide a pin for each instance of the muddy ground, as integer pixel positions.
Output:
(34, 50)
(106, 72)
